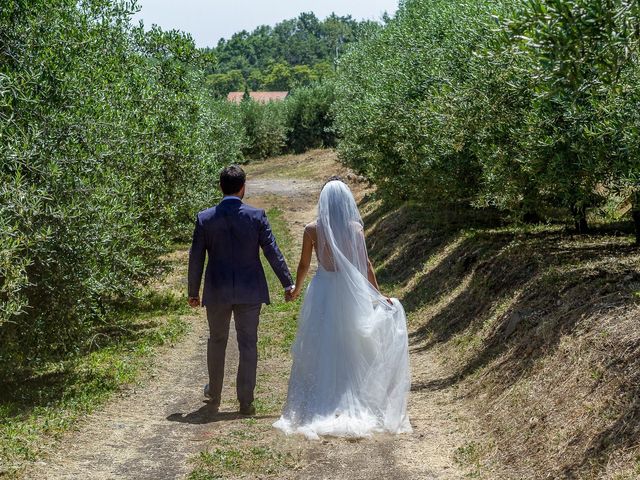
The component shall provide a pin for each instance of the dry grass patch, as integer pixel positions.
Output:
(538, 329)
(312, 165)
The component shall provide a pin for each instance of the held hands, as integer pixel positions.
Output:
(291, 294)
(194, 302)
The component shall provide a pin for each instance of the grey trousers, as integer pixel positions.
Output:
(246, 318)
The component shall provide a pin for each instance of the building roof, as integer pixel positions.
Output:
(262, 97)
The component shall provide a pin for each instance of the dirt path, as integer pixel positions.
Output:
(153, 431)
(152, 428)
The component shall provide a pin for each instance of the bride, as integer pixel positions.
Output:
(350, 373)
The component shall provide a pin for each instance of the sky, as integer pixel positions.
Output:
(209, 20)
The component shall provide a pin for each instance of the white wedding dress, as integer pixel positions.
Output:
(350, 373)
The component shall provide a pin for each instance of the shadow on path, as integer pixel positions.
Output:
(207, 414)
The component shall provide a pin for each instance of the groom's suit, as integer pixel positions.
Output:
(231, 234)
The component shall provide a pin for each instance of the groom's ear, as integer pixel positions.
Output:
(242, 190)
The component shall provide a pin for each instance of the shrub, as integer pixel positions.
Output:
(310, 117)
(109, 147)
(264, 127)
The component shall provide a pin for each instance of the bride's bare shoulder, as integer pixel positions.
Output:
(311, 229)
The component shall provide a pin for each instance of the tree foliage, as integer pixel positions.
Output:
(302, 121)
(264, 127)
(293, 53)
(110, 142)
(556, 84)
(528, 106)
(397, 95)
(310, 117)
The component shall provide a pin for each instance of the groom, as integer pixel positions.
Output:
(231, 234)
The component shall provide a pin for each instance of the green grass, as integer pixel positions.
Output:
(278, 321)
(222, 461)
(36, 407)
(469, 456)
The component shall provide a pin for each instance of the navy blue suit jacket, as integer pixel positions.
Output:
(232, 234)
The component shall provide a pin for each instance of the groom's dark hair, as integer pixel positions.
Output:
(232, 179)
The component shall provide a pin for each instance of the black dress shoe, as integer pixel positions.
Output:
(214, 405)
(248, 410)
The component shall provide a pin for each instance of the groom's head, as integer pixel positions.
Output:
(232, 180)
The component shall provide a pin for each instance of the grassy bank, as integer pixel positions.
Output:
(246, 448)
(536, 326)
(39, 404)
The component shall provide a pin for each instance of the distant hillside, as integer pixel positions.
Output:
(294, 52)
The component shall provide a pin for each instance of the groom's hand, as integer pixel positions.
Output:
(194, 302)
(292, 295)
(289, 293)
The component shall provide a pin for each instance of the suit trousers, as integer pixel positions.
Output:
(246, 318)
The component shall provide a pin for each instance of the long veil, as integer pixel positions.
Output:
(341, 244)
(350, 375)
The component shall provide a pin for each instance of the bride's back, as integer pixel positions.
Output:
(323, 250)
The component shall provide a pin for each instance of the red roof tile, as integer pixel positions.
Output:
(262, 97)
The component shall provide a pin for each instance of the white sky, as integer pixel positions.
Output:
(209, 20)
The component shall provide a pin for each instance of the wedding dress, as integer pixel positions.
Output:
(350, 373)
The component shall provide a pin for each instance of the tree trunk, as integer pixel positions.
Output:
(531, 218)
(580, 219)
(635, 214)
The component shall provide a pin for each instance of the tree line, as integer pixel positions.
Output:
(526, 106)
(293, 53)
